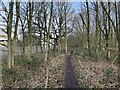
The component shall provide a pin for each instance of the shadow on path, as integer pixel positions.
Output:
(70, 80)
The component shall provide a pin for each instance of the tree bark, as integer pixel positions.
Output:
(31, 6)
(97, 29)
(106, 33)
(9, 32)
(65, 30)
(60, 27)
(15, 32)
(48, 38)
(118, 31)
(88, 28)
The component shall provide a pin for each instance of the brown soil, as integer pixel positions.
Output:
(69, 74)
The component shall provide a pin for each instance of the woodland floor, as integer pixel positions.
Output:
(66, 71)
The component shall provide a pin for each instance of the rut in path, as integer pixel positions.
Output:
(70, 80)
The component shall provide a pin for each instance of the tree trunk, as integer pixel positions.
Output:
(9, 31)
(88, 28)
(118, 31)
(23, 39)
(47, 46)
(97, 29)
(31, 6)
(60, 27)
(109, 29)
(15, 32)
(48, 38)
(65, 31)
(41, 41)
(23, 44)
(106, 33)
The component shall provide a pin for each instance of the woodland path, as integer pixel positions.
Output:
(70, 77)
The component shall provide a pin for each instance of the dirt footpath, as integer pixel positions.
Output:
(70, 78)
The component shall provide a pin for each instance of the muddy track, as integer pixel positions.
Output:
(70, 78)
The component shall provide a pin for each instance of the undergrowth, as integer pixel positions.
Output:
(17, 76)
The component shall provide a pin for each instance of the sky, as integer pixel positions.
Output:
(76, 5)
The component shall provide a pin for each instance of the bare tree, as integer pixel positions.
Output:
(23, 19)
(48, 38)
(9, 32)
(88, 27)
(15, 32)
(65, 7)
(97, 28)
(30, 39)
